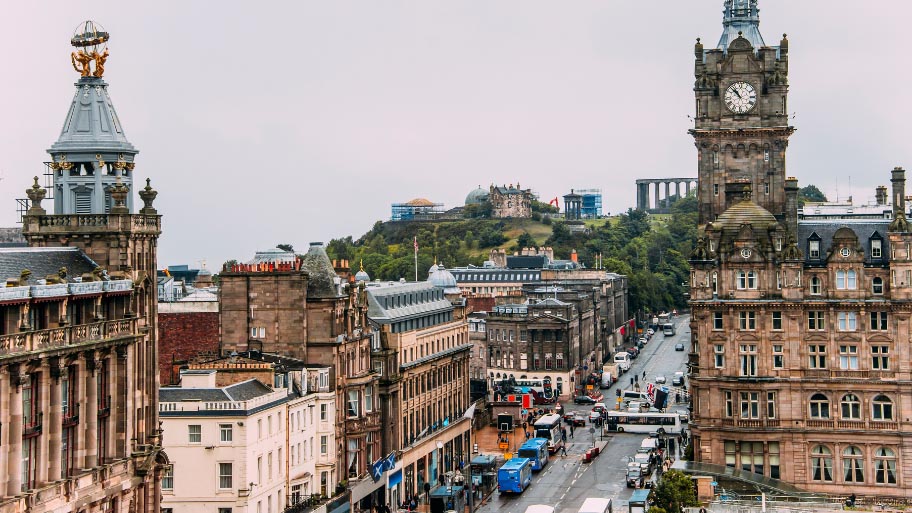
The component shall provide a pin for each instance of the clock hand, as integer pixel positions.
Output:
(737, 93)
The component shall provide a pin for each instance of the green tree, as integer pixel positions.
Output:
(540, 207)
(674, 492)
(810, 193)
(286, 247)
(525, 240)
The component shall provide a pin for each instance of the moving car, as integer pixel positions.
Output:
(679, 346)
(595, 417)
(583, 399)
(660, 380)
(575, 419)
(600, 407)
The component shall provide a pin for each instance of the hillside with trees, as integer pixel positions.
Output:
(651, 252)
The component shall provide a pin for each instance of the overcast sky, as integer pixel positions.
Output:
(268, 122)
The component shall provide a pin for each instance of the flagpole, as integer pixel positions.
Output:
(416, 258)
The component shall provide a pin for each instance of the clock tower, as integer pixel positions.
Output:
(741, 125)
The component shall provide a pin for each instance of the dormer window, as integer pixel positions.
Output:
(876, 248)
(814, 249)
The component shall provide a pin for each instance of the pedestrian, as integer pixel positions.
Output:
(563, 451)
(644, 374)
(571, 430)
(528, 435)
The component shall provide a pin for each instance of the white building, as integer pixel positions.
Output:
(240, 446)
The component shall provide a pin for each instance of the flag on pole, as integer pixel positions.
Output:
(416, 244)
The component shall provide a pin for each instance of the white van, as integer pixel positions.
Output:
(633, 395)
(539, 508)
(596, 505)
(648, 445)
(622, 360)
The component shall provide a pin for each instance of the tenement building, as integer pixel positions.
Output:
(800, 327)
(78, 372)
(422, 357)
(300, 308)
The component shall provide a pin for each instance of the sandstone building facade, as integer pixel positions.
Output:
(78, 360)
(800, 326)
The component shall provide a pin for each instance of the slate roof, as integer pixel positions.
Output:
(404, 301)
(863, 228)
(741, 17)
(92, 125)
(243, 391)
(44, 261)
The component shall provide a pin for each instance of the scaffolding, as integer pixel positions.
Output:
(23, 204)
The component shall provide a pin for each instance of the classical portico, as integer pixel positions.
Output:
(661, 203)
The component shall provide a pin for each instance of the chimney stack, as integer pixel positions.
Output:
(881, 195)
(898, 179)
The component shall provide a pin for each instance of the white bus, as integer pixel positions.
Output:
(549, 428)
(649, 422)
(540, 387)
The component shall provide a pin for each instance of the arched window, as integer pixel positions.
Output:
(877, 285)
(851, 407)
(821, 463)
(885, 465)
(882, 408)
(820, 407)
(853, 464)
(816, 285)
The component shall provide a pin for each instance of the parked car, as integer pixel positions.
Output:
(650, 332)
(678, 379)
(679, 346)
(583, 399)
(660, 380)
(633, 352)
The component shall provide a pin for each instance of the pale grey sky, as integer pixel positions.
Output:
(268, 122)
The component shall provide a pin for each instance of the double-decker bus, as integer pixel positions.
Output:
(514, 476)
(549, 428)
(538, 387)
(536, 450)
(632, 422)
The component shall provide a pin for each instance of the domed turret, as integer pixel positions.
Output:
(477, 197)
(440, 277)
(745, 212)
(321, 282)
(362, 275)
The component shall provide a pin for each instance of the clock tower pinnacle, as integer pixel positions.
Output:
(741, 128)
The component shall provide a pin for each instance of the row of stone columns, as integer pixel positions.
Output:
(661, 202)
(49, 461)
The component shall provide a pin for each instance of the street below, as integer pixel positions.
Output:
(566, 481)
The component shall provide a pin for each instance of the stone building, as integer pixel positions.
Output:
(252, 432)
(510, 201)
(800, 327)
(78, 359)
(300, 308)
(423, 361)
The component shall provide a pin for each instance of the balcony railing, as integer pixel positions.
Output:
(104, 407)
(33, 428)
(71, 415)
(55, 290)
(364, 423)
(89, 287)
(138, 222)
(188, 406)
(67, 336)
(14, 293)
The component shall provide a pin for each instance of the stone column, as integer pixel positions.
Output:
(678, 189)
(687, 188)
(656, 204)
(55, 419)
(44, 405)
(119, 408)
(14, 462)
(4, 421)
(667, 194)
(90, 440)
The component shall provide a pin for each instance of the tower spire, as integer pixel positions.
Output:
(740, 18)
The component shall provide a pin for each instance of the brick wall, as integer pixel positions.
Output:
(181, 336)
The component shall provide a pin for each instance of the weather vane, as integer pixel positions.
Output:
(91, 40)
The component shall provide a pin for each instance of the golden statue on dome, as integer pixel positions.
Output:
(91, 40)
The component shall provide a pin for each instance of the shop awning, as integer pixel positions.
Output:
(395, 478)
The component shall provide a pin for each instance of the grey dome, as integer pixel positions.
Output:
(362, 276)
(477, 196)
(321, 282)
(440, 277)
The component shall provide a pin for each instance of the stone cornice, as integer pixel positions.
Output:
(710, 133)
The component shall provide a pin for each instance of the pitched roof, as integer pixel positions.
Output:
(44, 261)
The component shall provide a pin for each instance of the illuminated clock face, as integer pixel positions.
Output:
(745, 253)
(845, 252)
(740, 97)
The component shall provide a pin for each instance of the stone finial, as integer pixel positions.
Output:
(35, 194)
(119, 195)
(148, 195)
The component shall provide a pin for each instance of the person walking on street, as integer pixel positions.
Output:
(563, 451)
